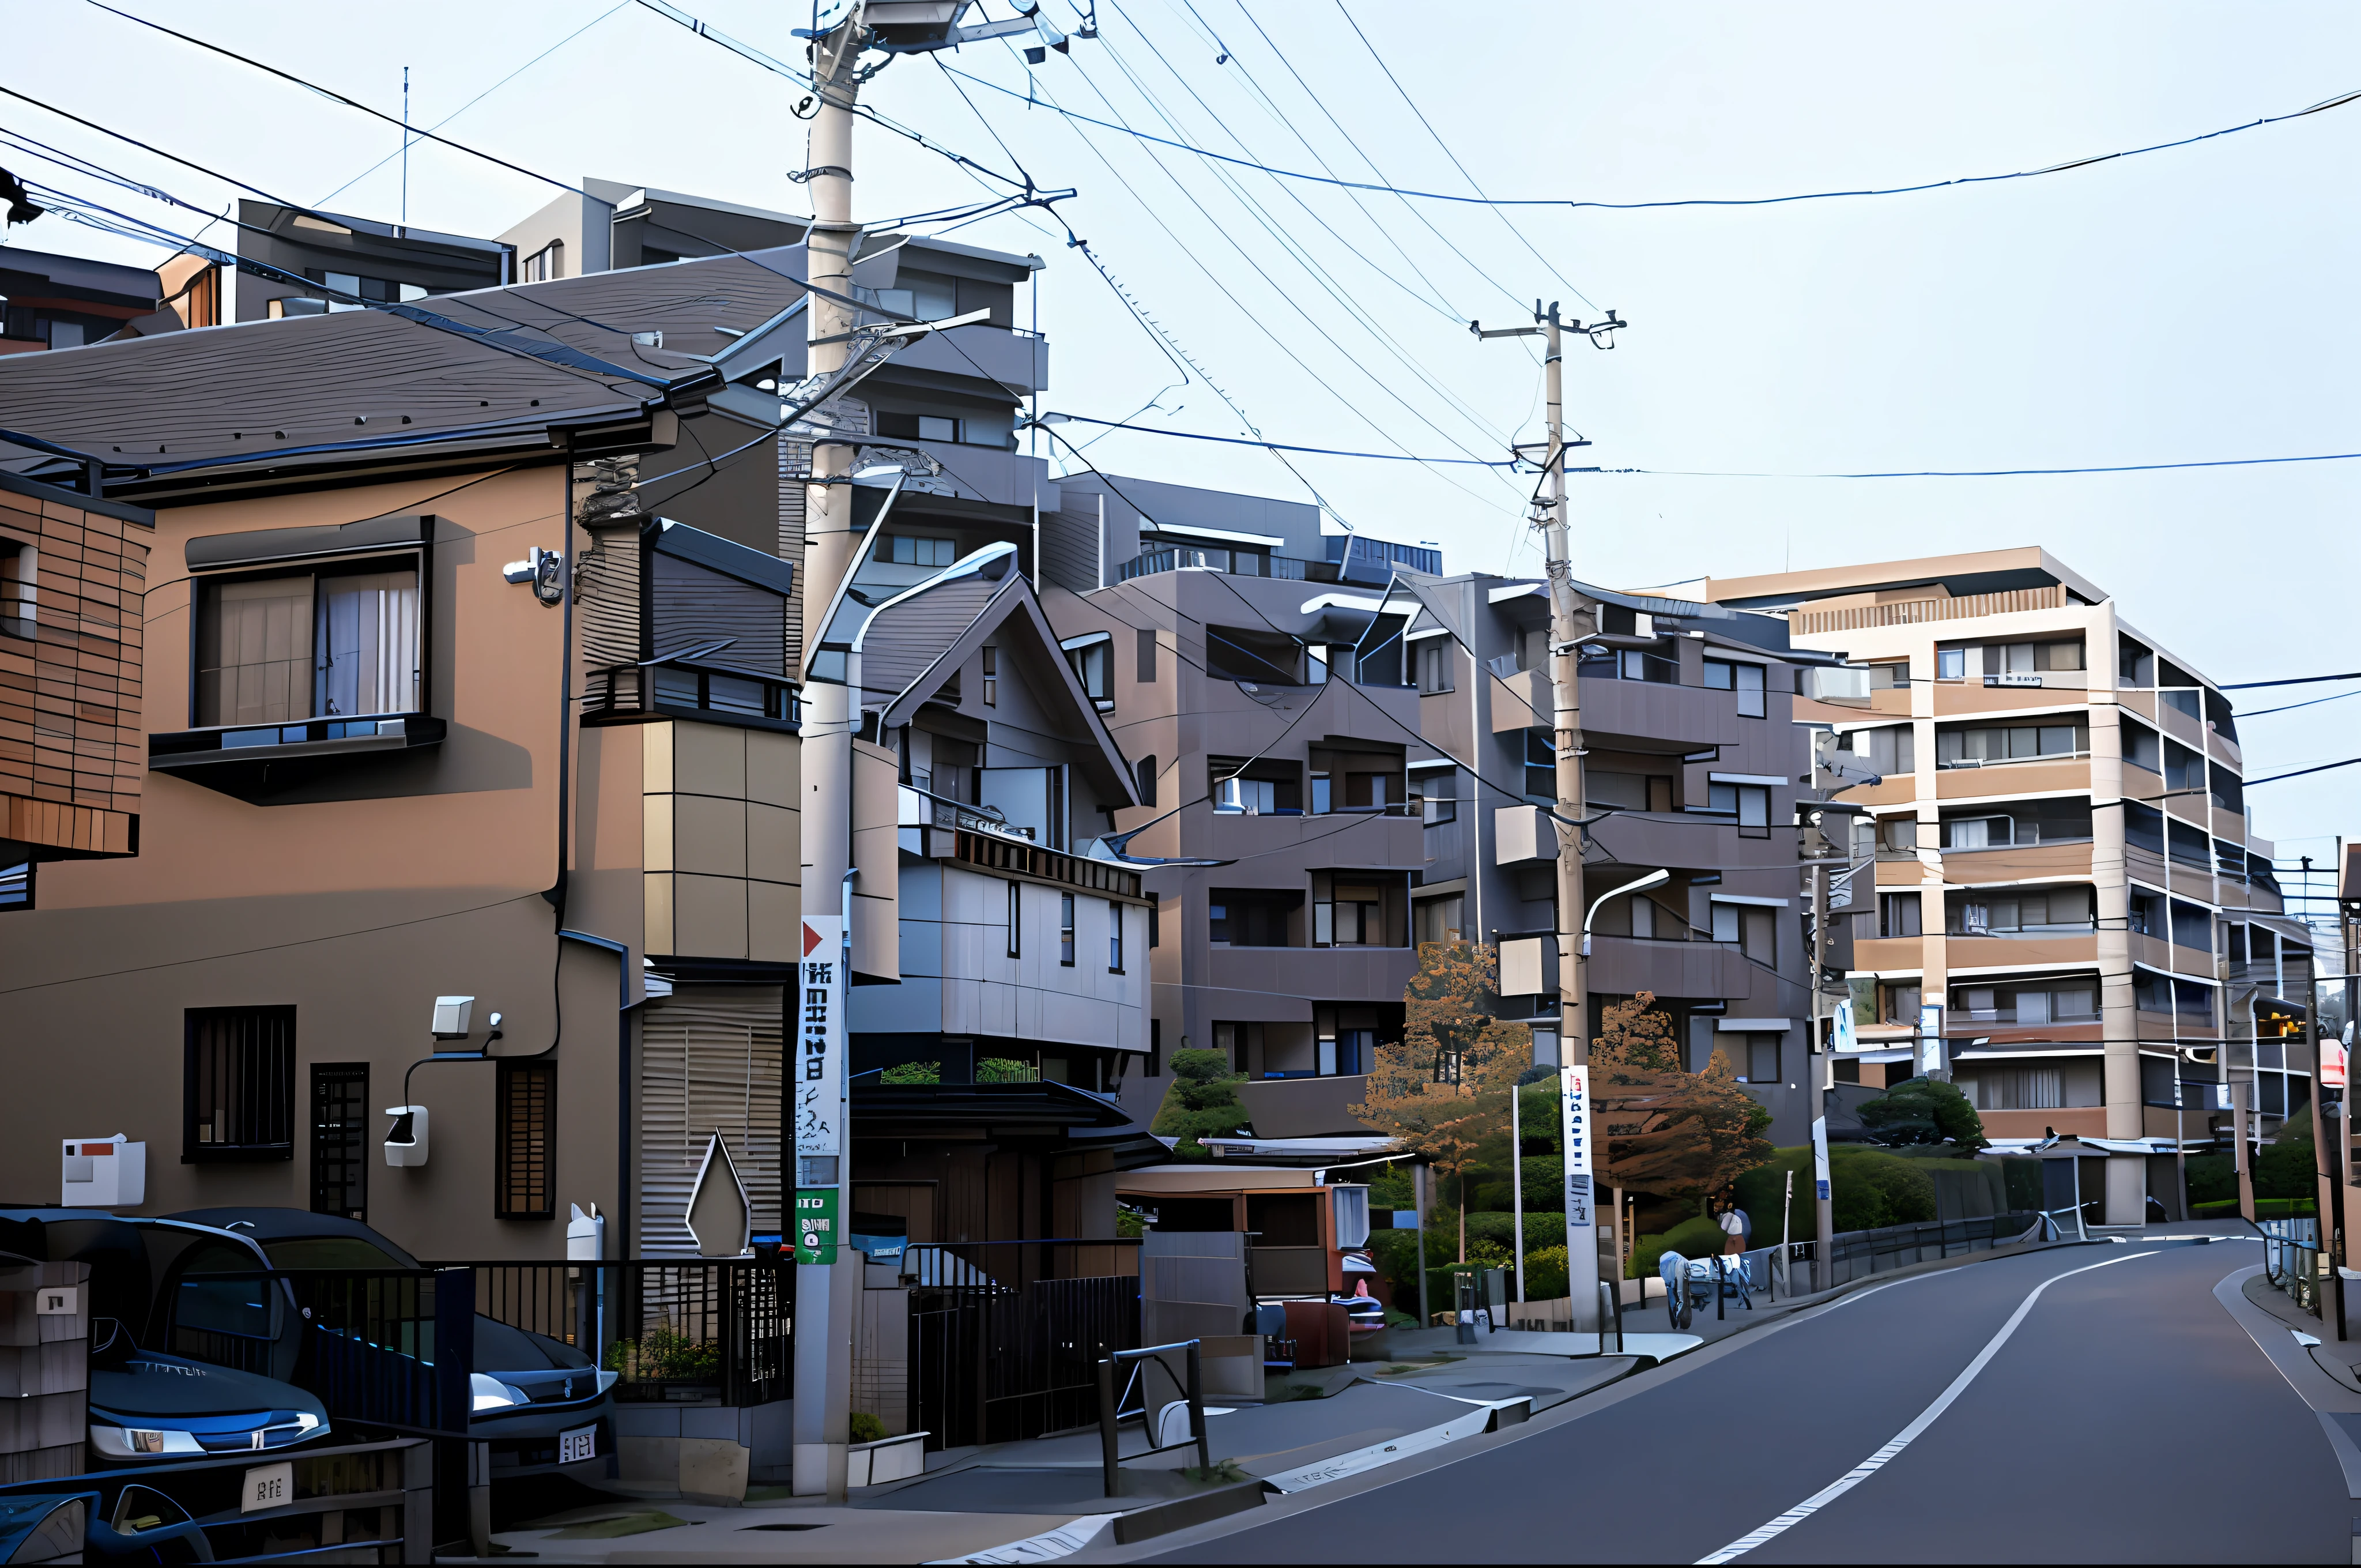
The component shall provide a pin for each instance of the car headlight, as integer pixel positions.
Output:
(142, 1442)
(489, 1393)
(608, 1380)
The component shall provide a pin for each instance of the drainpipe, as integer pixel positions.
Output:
(556, 891)
(623, 1205)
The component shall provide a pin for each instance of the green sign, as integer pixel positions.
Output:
(816, 1225)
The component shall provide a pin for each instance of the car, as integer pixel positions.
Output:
(148, 1405)
(542, 1405)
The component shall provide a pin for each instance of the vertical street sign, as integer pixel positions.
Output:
(1845, 1040)
(816, 1090)
(1574, 1122)
(1820, 1156)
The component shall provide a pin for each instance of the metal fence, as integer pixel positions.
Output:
(1859, 1254)
(2293, 1260)
(999, 1352)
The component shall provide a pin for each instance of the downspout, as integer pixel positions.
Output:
(624, 1207)
(556, 891)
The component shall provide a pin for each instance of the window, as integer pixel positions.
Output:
(1438, 919)
(1354, 916)
(1762, 1059)
(544, 264)
(908, 549)
(1146, 781)
(1746, 680)
(2184, 768)
(1900, 1004)
(19, 587)
(1541, 765)
(991, 671)
(1438, 796)
(1886, 751)
(1978, 833)
(1890, 677)
(341, 1124)
(1155, 920)
(239, 1084)
(1015, 918)
(2022, 1003)
(1155, 1066)
(1983, 745)
(1898, 834)
(2141, 749)
(1898, 913)
(1754, 928)
(2135, 664)
(2017, 1089)
(1749, 804)
(1951, 664)
(1114, 938)
(341, 642)
(1095, 669)
(1434, 664)
(1146, 656)
(1253, 918)
(1256, 657)
(2191, 926)
(2058, 911)
(16, 886)
(526, 1139)
(1262, 787)
(2191, 1002)
(1065, 930)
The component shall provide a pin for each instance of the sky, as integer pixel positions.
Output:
(2182, 305)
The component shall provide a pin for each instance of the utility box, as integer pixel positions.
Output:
(405, 1142)
(44, 1368)
(104, 1173)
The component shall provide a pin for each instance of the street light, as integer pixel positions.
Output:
(1657, 878)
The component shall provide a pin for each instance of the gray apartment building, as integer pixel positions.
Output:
(1693, 768)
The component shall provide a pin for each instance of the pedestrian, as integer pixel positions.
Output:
(1738, 1227)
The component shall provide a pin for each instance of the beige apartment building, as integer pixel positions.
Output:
(2061, 861)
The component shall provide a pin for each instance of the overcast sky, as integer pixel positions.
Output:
(2186, 304)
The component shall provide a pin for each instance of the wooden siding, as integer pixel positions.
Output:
(72, 749)
(1913, 612)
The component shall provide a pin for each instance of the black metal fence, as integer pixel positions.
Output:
(998, 1353)
(1859, 1254)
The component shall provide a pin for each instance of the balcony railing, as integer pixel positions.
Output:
(993, 853)
(1237, 563)
(1913, 612)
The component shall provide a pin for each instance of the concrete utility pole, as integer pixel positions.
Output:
(1567, 633)
(827, 1293)
(1824, 1275)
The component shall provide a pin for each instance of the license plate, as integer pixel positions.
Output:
(578, 1444)
(268, 1486)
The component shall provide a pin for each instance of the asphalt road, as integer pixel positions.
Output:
(2127, 1418)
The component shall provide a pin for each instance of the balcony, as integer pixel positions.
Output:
(1014, 360)
(1304, 1107)
(1918, 612)
(1626, 964)
(1237, 563)
(1281, 976)
(2032, 775)
(246, 757)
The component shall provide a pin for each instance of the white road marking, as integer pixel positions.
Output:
(1907, 1435)
(1047, 1546)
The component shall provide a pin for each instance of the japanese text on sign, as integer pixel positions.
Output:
(1574, 1096)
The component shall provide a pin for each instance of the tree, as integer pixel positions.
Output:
(1669, 1132)
(1444, 1089)
(1923, 1111)
(1202, 1101)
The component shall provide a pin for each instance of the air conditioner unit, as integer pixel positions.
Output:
(104, 1173)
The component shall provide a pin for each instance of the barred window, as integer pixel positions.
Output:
(238, 1099)
(527, 1141)
(340, 1139)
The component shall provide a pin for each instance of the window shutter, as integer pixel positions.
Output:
(709, 1061)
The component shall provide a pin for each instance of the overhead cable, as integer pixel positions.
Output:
(340, 98)
(2292, 681)
(1279, 445)
(1568, 202)
(1976, 473)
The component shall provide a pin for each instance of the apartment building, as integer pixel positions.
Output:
(1275, 740)
(2074, 918)
(1692, 770)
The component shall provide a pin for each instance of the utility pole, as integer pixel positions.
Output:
(827, 1277)
(1567, 635)
(2330, 1298)
(1824, 1263)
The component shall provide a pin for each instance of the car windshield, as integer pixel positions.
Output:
(329, 1252)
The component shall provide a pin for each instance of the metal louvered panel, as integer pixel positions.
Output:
(795, 468)
(694, 604)
(904, 643)
(710, 1060)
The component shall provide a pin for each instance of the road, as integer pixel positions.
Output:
(2127, 1417)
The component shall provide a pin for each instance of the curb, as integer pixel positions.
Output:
(1179, 1513)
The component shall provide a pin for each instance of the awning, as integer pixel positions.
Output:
(1323, 1151)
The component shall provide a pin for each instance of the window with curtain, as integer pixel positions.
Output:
(305, 644)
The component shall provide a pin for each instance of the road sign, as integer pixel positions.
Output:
(1573, 1099)
(816, 1089)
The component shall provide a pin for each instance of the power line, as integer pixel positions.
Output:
(1975, 472)
(2294, 681)
(2299, 773)
(1281, 446)
(1572, 204)
(340, 98)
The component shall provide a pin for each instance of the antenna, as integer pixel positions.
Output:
(405, 152)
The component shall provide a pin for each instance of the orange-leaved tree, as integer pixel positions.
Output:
(1669, 1131)
(1444, 1087)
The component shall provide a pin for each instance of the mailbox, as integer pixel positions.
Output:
(104, 1173)
(405, 1141)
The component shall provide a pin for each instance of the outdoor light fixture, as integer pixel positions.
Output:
(452, 1018)
(1656, 878)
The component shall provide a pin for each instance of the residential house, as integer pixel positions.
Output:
(2070, 891)
(342, 258)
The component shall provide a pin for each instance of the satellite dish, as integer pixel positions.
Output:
(721, 1216)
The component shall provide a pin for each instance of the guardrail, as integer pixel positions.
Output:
(1859, 1254)
(1113, 1412)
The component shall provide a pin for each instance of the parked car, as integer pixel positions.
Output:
(542, 1404)
(146, 1404)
